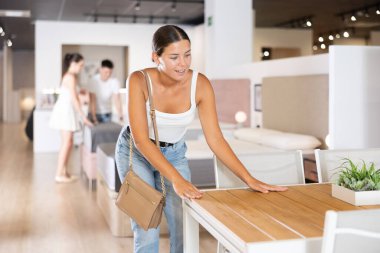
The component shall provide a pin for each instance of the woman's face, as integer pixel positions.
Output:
(175, 59)
(76, 67)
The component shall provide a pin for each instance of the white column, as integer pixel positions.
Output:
(228, 34)
(354, 100)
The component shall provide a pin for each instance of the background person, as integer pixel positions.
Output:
(103, 90)
(67, 113)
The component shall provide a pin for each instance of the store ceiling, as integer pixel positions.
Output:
(269, 13)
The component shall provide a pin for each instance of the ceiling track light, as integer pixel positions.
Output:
(174, 6)
(366, 13)
(303, 22)
(9, 43)
(116, 17)
(358, 13)
(138, 5)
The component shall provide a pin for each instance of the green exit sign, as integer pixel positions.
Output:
(209, 21)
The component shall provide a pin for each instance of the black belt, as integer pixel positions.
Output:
(162, 143)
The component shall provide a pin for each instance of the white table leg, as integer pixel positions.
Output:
(190, 231)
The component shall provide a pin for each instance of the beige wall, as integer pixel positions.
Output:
(23, 69)
(282, 38)
(93, 55)
(374, 39)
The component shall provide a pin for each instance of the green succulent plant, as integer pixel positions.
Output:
(359, 177)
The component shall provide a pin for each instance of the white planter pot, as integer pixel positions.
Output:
(356, 198)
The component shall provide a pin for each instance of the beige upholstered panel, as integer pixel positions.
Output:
(297, 104)
(232, 95)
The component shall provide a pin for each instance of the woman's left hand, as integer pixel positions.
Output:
(257, 185)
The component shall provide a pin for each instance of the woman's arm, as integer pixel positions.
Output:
(119, 108)
(137, 97)
(70, 81)
(92, 107)
(214, 137)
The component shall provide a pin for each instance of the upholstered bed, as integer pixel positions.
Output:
(92, 137)
(245, 141)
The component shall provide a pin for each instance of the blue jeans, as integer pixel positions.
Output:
(147, 241)
(102, 117)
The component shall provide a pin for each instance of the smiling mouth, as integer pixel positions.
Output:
(180, 71)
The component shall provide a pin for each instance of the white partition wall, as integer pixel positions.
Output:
(354, 115)
(50, 36)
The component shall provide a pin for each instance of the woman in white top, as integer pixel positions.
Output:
(177, 92)
(67, 114)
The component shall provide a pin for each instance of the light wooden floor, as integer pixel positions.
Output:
(37, 215)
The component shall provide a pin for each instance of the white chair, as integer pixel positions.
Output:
(329, 160)
(352, 232)
(280, 168)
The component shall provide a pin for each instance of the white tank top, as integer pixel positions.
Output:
(172, 127)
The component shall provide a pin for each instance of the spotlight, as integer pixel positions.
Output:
(366, 13)
(308, 23)
(378, 10)
(331, 37)
(323, 46)
(337, 35)
(138, 6)
(346, 34)
(266, 53)
(2, 34)
(320, 39)
(1, 30)
(315, 48)
(174, 6)
(9, 43)
(353, 18)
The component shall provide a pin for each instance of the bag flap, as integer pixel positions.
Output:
(143, 188)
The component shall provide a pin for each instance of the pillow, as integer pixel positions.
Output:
(254, 134)
(277, 139)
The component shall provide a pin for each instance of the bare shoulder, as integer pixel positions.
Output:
(136, 83)
(69, 80)
(136, 76)
(204, 87)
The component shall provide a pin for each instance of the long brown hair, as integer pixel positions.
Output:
(68, 59)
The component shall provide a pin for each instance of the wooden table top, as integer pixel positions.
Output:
(256, 217)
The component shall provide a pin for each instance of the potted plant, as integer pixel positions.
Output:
(358, 184)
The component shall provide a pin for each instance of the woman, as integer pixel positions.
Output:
(67, 114)
(177, 92)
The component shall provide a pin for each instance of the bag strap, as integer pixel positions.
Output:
(152, 113)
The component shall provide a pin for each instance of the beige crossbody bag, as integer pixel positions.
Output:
(139, 200)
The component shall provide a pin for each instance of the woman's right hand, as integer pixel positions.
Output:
(186, 190)
(87, 122)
